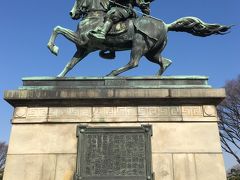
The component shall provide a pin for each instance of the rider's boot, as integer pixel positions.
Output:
(100, 33)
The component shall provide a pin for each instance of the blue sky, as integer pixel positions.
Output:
(26, 27)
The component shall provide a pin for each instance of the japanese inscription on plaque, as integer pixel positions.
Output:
(114, 153)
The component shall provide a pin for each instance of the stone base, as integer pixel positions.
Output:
(185, 141)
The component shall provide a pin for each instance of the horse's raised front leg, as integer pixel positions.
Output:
(78, 56)
(138, 49)
(69, 34)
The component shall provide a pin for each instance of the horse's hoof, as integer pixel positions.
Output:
(166, 63)
(160, 72)
(60, 75)
(111, 74)
(53, 48)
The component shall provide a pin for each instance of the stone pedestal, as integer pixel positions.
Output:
(181, 110)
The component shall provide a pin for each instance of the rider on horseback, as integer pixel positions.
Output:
(119, 11)
(146, 37)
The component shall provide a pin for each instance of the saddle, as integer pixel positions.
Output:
(119, 28)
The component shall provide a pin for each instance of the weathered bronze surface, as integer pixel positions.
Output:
(114, 153)
(153, 82)
(112, 25)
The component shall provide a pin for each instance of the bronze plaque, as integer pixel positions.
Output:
(114, 153)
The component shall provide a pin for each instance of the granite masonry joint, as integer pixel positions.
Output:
(73, 97)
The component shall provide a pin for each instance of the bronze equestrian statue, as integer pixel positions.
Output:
(110, 26)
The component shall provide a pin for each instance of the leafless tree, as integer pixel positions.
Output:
(3, 154)
(229, 114)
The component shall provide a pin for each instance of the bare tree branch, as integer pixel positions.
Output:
(229, 115)
(3, 154)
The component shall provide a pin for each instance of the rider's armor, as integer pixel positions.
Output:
(119, 10)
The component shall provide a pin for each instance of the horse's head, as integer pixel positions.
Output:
(81, 7)
(77, 10)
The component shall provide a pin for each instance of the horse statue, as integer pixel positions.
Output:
(144, 36)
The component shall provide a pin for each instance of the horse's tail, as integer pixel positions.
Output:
(197, 27)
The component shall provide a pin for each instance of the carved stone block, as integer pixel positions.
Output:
(209, 111)
(20, 112)
(70, 114)
(30, 115)
(192, 111)
(159, 113)
(114, 114)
